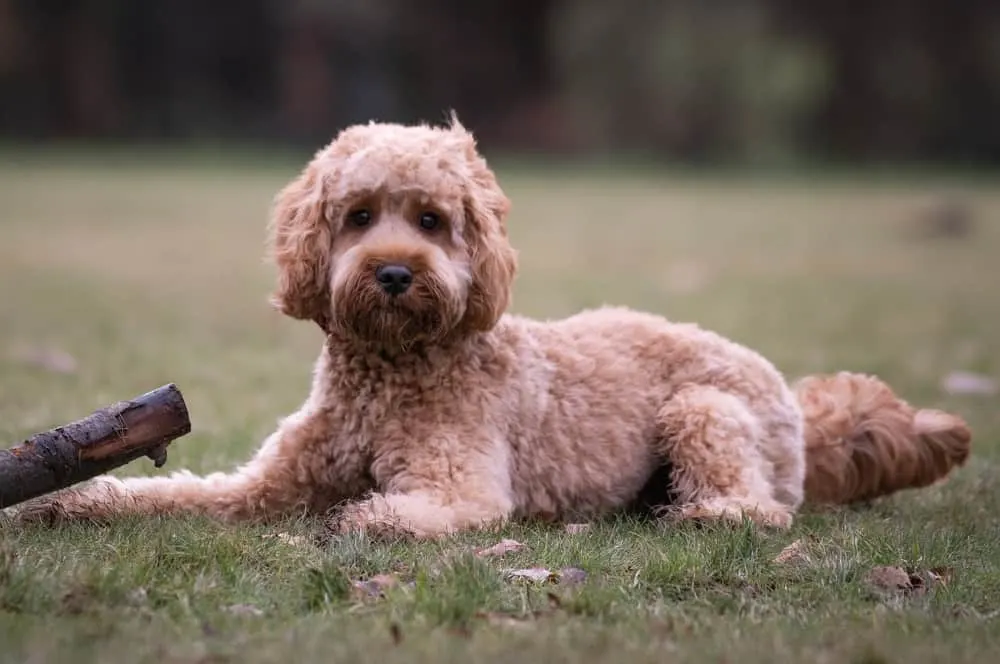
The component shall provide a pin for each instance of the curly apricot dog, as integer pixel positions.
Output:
(433, 411)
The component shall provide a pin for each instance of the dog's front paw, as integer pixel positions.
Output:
(726, 513)
(93, 501)
(373, 518)
(44, 510)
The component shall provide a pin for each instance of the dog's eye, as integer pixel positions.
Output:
(359, 218)
(429, 220)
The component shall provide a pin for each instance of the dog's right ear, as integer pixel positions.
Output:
(300, 248)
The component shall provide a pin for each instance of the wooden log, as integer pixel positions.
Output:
(106, 439)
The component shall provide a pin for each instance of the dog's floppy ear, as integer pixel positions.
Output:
(492, 259)
(300, 247)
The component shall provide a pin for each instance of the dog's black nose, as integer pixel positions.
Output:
(394, 279)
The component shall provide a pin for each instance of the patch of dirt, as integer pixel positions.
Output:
(53, 360)
(966, 382)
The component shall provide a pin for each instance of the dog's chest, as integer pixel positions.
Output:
(393, 428)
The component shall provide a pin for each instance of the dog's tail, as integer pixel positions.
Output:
(862, 441)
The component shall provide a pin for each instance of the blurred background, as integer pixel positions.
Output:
(686, 81)
(653, 151)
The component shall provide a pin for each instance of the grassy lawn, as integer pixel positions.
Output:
(146, 274)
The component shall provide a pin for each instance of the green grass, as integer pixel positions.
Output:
(149, 274)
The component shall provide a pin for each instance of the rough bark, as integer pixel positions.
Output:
(108, 438)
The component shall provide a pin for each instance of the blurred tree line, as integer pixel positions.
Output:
(692, 80)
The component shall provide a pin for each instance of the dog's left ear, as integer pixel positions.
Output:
(300, 247)
(492, 258)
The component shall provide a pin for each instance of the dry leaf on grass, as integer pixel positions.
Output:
(244, 610)
(570, 576)
(935, 576)
(532, 575)
(792, 554)
(506, 619)
(966, 382)
(567, 576)
(941, 575)
(287, 538)
(892, 579)
(524, 619)
(374, 587)
(77, 600)
(577, 528)
(896, 580)
(502, 547)
(137, 597)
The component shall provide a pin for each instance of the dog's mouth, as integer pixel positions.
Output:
(423, 314)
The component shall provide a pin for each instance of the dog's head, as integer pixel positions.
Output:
(394, 235)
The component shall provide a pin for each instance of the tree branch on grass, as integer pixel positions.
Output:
(108, 438)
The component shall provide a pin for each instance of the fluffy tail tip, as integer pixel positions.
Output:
(863, 441)
(948, 433)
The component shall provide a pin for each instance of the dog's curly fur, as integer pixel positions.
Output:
(433, 410)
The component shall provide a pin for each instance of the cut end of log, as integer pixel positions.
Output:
(148, 423)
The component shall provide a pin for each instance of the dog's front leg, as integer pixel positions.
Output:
(420, 514)
(296, 469)
(443, 489)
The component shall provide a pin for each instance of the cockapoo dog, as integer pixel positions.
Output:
(434, 411)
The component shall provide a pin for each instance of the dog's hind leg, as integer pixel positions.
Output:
(712, 440)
